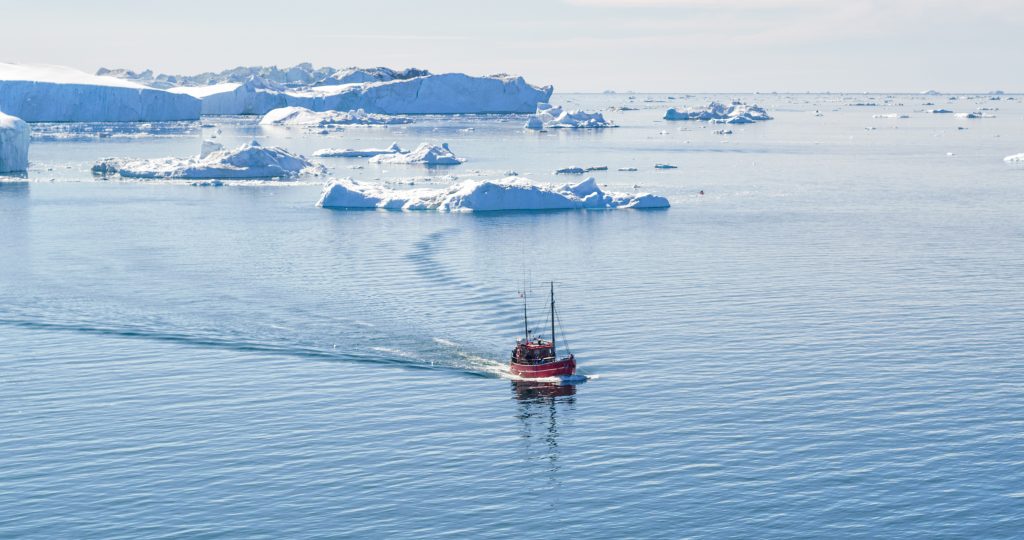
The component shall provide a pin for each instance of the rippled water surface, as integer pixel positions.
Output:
(827, 342)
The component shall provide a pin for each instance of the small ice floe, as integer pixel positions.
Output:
(950, 154)
(891, 115)
(974, 115)
(301, 116)
(870, 128)
(1016, 158)
(424, 154)
(511, 173)
(628, 169)
(580, 170)
(664, 166)
(939, 111)
(358, 153)
(734, 113)
(550, 116)
(722, 132)
(248, 161)
(207, 183)
(514, 193)
(15, 135)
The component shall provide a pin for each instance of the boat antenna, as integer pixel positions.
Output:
(554, 351)
(526, 320)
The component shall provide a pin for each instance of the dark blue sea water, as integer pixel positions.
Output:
(827, 343)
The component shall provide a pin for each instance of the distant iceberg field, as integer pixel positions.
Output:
(43, 93)
(512, 193)
(301, 116)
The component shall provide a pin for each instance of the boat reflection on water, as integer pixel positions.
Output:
(541, 391)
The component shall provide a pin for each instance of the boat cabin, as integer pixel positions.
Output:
(533, 352)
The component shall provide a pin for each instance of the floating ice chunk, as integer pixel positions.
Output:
(425, 154)
(14, 139)
(301, 116)
(974, 115)
(891, 115)
(247, 161)
(550, 116)
(665, 166)
(734, 113)
(360, 153)
(210, 146)
(512, 193)
(1016, 158)
(581, 170)
(628, 169)
(939, 111)
(43, 93)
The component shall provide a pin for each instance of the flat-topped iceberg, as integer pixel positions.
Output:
(734, 113)
(358, 153)
(1016, 158)
(512, 193)
(247, 161)
(550, 116)
(424, 154)
(254, 96)
(301, 116)
(14, 139)
(43, 93)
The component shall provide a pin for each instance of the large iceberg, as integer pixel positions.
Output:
(301, 116)
(14, 139)
(367, 75)
(247, 161)
(734, 113)
(358, 153)
(254, 96)
(449, 93)
(424, 154)
(43, 93)
(550, 116)
(512, 193)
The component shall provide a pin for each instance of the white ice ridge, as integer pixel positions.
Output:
(424, 154)
(43, 93)
(511, 193)
(734, 113)
(1016, 158)
(14, 139)
(360, 153)
(449, 93)
(550, 116)
(301, 116)
(247, 161)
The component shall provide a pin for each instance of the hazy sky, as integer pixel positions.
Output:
(577, 45)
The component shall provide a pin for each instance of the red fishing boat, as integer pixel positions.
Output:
(536, 358)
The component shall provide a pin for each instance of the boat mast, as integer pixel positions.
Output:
(526, 321)
(553, 351)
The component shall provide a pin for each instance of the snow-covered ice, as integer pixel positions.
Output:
(512, 193)
(301, 116)
(550, 116)
(14, 139)
(247, 161)
(254, 96)
(44, 93)
(734, 113)
(1016, 158)
(425, 154)
(358, 153)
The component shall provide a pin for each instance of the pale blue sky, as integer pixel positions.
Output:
(577, 45)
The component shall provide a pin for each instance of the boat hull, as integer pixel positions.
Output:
(561, 368)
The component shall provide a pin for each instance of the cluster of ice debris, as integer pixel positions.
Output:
(511, 193)
(301, 116)
(424, 154)
(14, 139)
(248, 161)
(550, 116)
(715, 112)
(40, 93)
(358, 153)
